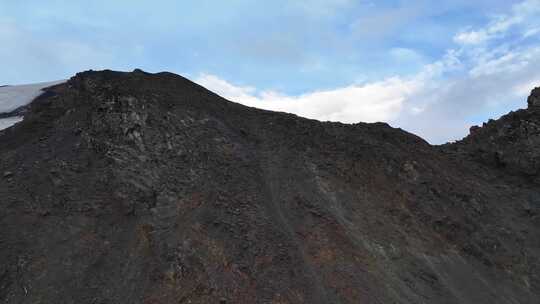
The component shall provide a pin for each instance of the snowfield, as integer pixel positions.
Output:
(12, 97)
(8, 122)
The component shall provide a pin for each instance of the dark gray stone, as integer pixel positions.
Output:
(147, 188)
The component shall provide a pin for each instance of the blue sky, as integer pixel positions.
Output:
(432, 68)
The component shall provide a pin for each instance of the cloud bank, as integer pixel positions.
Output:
(489, 70)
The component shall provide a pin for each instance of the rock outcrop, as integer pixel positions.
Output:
(534, 99)
(147, 188)
(510, 143)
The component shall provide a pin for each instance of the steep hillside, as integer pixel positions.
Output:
(511, 143)
(147, 188)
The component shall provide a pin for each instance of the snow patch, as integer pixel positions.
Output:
(12, 97)
(8, 122)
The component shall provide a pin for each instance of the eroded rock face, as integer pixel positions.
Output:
(534, 99)
(147, 188)
(510, 143)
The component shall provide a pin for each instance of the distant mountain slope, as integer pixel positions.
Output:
(13, 97)
(147, 188)
(14, 100)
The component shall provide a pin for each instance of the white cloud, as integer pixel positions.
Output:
(439, 103)
(482, 75)
(378, 101)
(522, 14)
(506, 63)
(405, 56)
(8, 122)
(532, 32)
(523, 89)
(472, 37)
(224, 88)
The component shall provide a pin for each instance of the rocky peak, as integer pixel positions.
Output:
(510, 143)
(534, 99)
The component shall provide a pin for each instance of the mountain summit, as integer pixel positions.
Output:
(147, 188)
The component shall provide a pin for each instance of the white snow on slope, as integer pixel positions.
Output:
(12, 97)
(8, 122)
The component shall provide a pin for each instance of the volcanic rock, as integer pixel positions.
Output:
(534, 99)
(147, 188)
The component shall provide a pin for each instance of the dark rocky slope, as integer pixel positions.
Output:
(146, 188)
(511, 143)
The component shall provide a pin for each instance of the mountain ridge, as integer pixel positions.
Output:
(147, 188)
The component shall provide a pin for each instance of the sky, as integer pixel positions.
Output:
(433, 68)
